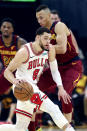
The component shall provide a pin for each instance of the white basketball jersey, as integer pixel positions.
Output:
(32, 69)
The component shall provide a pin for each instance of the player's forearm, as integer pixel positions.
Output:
(9, 76)
(55, 73)
(11, 112)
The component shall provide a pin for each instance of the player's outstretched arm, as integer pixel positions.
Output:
(56, 76)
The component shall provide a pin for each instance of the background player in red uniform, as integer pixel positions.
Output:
(55, 16)
(70, 66)
(9, 44)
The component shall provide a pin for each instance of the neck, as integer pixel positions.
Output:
(49, 24)
(37, 49)
(7, 40)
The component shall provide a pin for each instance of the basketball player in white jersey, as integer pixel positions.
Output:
(29, 62)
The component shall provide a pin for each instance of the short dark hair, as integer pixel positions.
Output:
(54, 12)
(7, 20)
(41, 7)
(41, 30)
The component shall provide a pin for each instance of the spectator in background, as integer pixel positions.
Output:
(55, 16)
(8, 104)
(9, 44)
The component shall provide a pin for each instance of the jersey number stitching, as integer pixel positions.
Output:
(35, 73)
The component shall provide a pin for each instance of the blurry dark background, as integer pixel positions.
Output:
(72, 13)
(23, 14)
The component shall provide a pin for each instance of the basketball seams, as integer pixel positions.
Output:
(22, 97)
(30, 90)
(23, 91)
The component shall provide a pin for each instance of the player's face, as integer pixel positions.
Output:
(45, 41)
(6, 29)
(42, 18)
(55, 17)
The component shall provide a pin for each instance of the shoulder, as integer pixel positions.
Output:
(61, 27)
(60, 24)
(22, 54)
(22, 51)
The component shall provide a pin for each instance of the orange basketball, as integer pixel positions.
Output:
(23, 91)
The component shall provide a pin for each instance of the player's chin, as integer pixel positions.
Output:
(41, 25)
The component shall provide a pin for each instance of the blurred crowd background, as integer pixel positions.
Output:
(73, 14)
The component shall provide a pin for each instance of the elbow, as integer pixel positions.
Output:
(64, 50)
(60, 49)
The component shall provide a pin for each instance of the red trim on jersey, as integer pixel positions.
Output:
(34, 51)
(23, 113)
(28, 54)
(44, 97)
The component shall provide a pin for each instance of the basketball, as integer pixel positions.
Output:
(23, 91)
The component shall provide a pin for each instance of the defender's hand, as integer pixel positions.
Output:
(64, 95)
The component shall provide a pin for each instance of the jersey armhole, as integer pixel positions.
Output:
(28, 54)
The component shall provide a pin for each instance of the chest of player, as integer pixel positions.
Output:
(7, 54)
(8, 50)
(37, 63)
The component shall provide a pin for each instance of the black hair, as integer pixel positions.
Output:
(54, 12)
(41, 30)
(7, 20)
(41, 7)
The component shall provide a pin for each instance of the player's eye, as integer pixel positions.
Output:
(41, 18)
(45, 38)
(4, 26)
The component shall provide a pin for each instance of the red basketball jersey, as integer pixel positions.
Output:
(7, 53)
(70, 53)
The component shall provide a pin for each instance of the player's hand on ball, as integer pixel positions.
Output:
(23, 90)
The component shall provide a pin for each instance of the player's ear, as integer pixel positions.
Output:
(37, 37)
(48, 15)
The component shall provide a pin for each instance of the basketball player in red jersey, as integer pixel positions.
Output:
(70, 65)
(9, 44)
